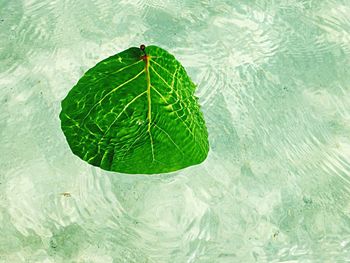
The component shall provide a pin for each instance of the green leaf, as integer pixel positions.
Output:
(135, 112)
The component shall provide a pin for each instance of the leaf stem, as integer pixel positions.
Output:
(143, 49)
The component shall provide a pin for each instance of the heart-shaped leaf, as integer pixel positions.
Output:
(135, 112)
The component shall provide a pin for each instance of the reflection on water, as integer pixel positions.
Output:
(273, 82)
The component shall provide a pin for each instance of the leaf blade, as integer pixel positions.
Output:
(110, 122)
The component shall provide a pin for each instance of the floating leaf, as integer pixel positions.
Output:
(136, 112)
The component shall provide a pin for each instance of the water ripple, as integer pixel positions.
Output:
(272, 80)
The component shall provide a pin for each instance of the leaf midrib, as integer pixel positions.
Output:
(146, 70)
(149, 100)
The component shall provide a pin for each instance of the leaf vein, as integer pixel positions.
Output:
(123, 110)
(113, 90)
(165, 100)
(167, 134)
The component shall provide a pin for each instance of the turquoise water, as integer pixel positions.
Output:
(273, 81)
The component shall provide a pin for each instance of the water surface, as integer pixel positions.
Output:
(273, 81)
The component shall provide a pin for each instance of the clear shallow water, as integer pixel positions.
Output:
(273, 80)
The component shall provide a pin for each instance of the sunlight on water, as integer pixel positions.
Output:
(273, 81)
